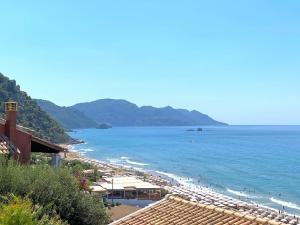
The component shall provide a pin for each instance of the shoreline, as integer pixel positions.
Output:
(197, 193)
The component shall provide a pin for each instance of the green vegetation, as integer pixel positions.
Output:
(77, 166)
(17, 211)
(164, 192)
(55, 193)
(69, 118)
(123, 113)
(83, 170)
(30, 114)
(105, 113)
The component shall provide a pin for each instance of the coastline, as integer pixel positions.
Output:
(200, 194)
(237, 161)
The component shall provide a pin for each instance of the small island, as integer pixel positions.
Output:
(190, 130)
(198, 129)
(103, 126)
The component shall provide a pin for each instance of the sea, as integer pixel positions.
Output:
(259, 164)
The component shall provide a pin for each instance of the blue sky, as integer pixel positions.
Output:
(238, 61)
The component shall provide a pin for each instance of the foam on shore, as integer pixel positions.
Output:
(80, 149)
(126, 162)
(136, 163)
(238, 193)
(189, 184)
(87, 150)
(181, 180)
(285, 204)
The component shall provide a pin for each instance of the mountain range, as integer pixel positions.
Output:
(68, 117)
(118, 112)
(50, 121)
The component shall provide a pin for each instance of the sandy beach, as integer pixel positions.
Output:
(197, 194)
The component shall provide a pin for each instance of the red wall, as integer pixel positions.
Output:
(11, 125)
(23, 142)
(2, 127)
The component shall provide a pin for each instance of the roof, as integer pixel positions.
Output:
(6, 147)
(37, 144)
(177, 211)
(97, 189)
(124, 183)
(19, 127)
(40, 145)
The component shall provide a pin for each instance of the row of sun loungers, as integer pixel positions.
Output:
(208, 197)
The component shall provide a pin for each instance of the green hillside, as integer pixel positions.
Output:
(118, 112)
(66, 116)
(29, 113)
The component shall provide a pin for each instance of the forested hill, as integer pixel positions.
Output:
(123, 113)
(29, 113)
(66, 116)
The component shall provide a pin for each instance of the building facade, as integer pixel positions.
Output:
(18, 140)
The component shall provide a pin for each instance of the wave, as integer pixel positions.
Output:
(286, 204)
(171, 175)
(238, 193)
(114, 161)
(77, 148)
(74, 150)
(87, 150)
(136, 163)
(181, 180)
(124, 157)
(126, 160)
(71, 147)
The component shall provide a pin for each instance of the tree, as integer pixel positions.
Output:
(56, 191)
(29, 113)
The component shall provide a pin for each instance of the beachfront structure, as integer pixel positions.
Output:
(127, 187)
(177, 211)
(18, 141)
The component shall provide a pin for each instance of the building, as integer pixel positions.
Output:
(19, 141)
(127, 187)
(177, 211)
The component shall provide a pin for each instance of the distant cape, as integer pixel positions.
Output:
(118, 112)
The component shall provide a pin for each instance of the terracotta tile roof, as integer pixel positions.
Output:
(177, 211)
(6, 147)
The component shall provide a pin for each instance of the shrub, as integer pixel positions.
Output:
(57, 191)
(76, 165)
(17, 212)
(30, 114)
(164, 192)
(46, 220)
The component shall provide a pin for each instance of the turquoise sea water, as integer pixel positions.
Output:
(253, 163)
